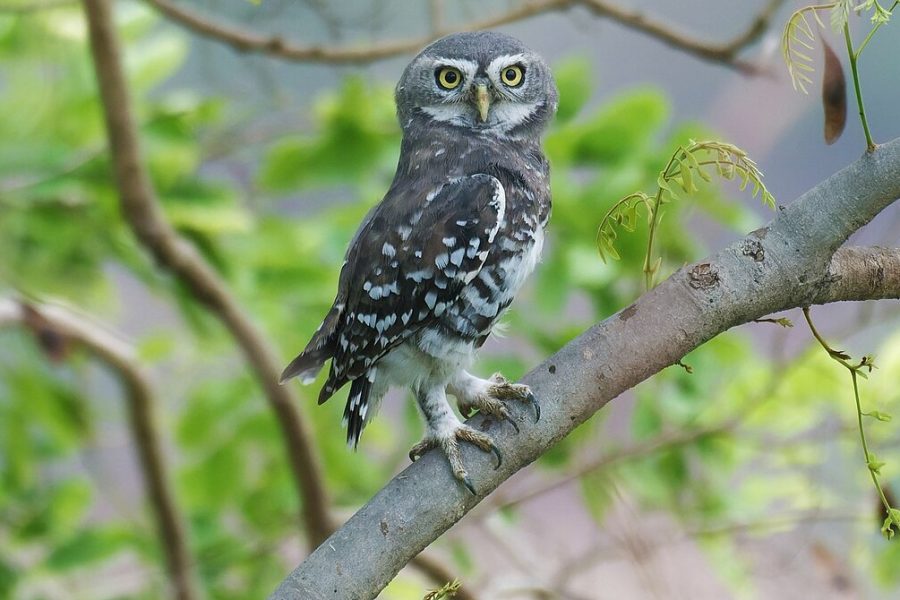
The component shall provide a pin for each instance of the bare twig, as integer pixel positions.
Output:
(142, 213)
(52, 321)
(799, 266)
(724, 53)
(274, 45)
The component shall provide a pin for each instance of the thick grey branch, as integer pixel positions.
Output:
(273, 45)
(52, 322)
(790, 263)
(143, 214)
(862, 274)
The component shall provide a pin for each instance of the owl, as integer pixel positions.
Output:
(435, 263)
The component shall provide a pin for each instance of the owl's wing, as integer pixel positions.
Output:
(409, 267)
(407, 263)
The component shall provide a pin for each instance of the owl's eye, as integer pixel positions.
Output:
(512, 75)
(448, 77)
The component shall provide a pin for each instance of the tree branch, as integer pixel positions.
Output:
(789, 263)
(142, 213)
(53, 322)
(276, 46)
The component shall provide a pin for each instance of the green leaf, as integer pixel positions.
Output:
(619, 130)
(880, 416)
(840, 14)
(597, 492)
(155, 58)
(874, 464)
(87, 546)
(888, 526)
(573, 78)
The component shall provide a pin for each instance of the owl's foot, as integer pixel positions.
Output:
(449, 443)
(504, 390)
(490, 396)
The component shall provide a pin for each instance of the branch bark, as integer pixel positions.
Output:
(142, 213)
(276, 46)
(789, 263)
(52, 322)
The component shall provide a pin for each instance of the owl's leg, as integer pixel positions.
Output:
(446, 432)
(489, 395)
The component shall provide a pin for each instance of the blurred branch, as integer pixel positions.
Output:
(245, 40)
(638, 450)
(792, 262)
(141, 211)
(55, 328)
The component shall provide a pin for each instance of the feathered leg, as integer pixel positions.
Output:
(445, 431)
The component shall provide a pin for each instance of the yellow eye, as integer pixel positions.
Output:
(512, 75)
(448, 77)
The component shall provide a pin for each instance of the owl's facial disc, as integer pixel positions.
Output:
(479, 82)
(481, 96)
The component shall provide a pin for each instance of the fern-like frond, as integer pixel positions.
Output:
(622, 214)
(687, 164)
(798, 39)
(729, 161)
(840, 14)
(447, 591)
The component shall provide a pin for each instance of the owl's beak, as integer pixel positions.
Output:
(482, 101)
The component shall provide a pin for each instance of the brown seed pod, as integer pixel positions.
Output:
(834, 96)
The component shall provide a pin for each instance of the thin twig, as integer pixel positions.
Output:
(57, 322)
(141, 211)
(274, 45)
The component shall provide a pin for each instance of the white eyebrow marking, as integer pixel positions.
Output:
(493, 69)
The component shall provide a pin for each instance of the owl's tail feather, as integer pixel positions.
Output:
(319, 349)
(358, 406)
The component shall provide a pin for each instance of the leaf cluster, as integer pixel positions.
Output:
(679, 177)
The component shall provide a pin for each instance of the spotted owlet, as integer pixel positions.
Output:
(437, 261)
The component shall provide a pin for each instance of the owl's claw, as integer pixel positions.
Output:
(535, 404)
(449, 444)
(502, 389)
(417, 451)
(489, 406)
(497, 453)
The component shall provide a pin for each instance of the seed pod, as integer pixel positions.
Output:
(834, 96)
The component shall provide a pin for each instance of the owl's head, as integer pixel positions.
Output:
(480, 81)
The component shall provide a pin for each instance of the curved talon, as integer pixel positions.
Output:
(468, 483)
(417, 451)
(498, 454)
(537, 407)
(512, 421)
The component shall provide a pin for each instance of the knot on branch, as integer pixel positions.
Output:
(754, 249)
(704, 276)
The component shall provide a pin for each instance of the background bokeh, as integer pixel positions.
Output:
(743, 479)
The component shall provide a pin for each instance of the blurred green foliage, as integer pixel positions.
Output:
(61, 236)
